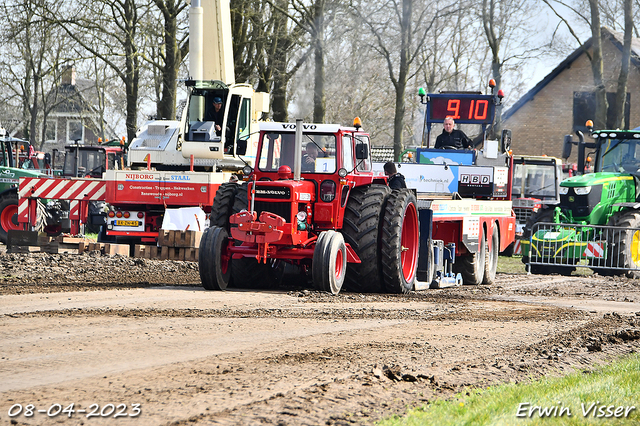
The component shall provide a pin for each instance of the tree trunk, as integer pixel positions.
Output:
(318, 91)
(167, 105)
(401, 84)
(621, 92)
(597, 67)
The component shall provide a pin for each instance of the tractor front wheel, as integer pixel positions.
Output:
(329, 262)
(214, 260)
(400, 242)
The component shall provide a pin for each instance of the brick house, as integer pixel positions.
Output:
(561, 103)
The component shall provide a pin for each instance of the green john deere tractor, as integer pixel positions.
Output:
(597, 223)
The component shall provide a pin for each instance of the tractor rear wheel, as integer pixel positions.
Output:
(223, 205)
(361, 230)
(214, 261)
(472, 266)
(627, 243)
(9, 215)
(491, 261)
(329, 262)
(400, 242)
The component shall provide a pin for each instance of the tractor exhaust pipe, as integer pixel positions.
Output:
(297, 153)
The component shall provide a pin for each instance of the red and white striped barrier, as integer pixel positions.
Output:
(594, 250)
(73, 190)
(517, 247)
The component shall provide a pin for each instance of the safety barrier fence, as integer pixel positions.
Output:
(589, 246)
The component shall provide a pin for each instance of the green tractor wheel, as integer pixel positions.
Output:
(627, 242)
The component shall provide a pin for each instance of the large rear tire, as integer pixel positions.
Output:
(472, 266)
(400, 242)
(361, 230)
(627, 254)
(491, 261)
(223, 204)
(214, 261)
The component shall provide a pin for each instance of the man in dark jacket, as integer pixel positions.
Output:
(216, 114)
(396, 180)
(452, 138)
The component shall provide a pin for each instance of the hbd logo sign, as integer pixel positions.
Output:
(475, 179)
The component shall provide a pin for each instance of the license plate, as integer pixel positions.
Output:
(128, 223)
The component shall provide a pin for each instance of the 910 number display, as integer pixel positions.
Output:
(463, 109)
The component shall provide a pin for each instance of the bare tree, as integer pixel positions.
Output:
(33, 54)
(399, 36)
(595, 56)
(168, 55)
(113, 38)
(621, 92)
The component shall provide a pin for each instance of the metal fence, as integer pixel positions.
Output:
(602, 248)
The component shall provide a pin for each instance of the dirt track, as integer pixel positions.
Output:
(98, 330)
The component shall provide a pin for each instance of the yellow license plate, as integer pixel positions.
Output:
(127, 223)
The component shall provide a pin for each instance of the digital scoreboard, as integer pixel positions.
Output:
(463, 108)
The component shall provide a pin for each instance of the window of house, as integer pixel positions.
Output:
(584, 108)
(50, 135)
(75, 130)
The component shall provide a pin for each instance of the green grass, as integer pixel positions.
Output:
(514, 265)
(617, 384)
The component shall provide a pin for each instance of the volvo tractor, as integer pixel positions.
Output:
(597, 223)
(336, 220)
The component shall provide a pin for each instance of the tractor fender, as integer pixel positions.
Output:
(634, 206)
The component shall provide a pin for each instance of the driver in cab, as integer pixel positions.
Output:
(452, 138)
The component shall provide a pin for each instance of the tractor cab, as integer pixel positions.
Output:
(317, 173)
(92, 161)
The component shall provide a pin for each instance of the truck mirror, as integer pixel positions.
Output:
(362, 152)
(505, 140)
(566, 147)
(241, 147)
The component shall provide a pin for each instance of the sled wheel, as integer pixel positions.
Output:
(361, 230)
(330, 263)
(400, 242)
(214, 259)
(471, 266)
(491, 261)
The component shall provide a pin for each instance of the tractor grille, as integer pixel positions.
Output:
(522, 215)
(281, 209)
(581, 205)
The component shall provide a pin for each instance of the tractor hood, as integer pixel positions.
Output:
(591, 179)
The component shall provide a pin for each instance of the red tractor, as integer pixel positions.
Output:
(331, 216)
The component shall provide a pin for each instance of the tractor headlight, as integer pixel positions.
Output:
(302, 216)
(583, 190)
(564, 190)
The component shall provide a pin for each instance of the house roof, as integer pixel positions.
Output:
(616, 38)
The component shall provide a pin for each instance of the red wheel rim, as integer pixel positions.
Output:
(409, 242)
(6, 218)
(339, 264)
